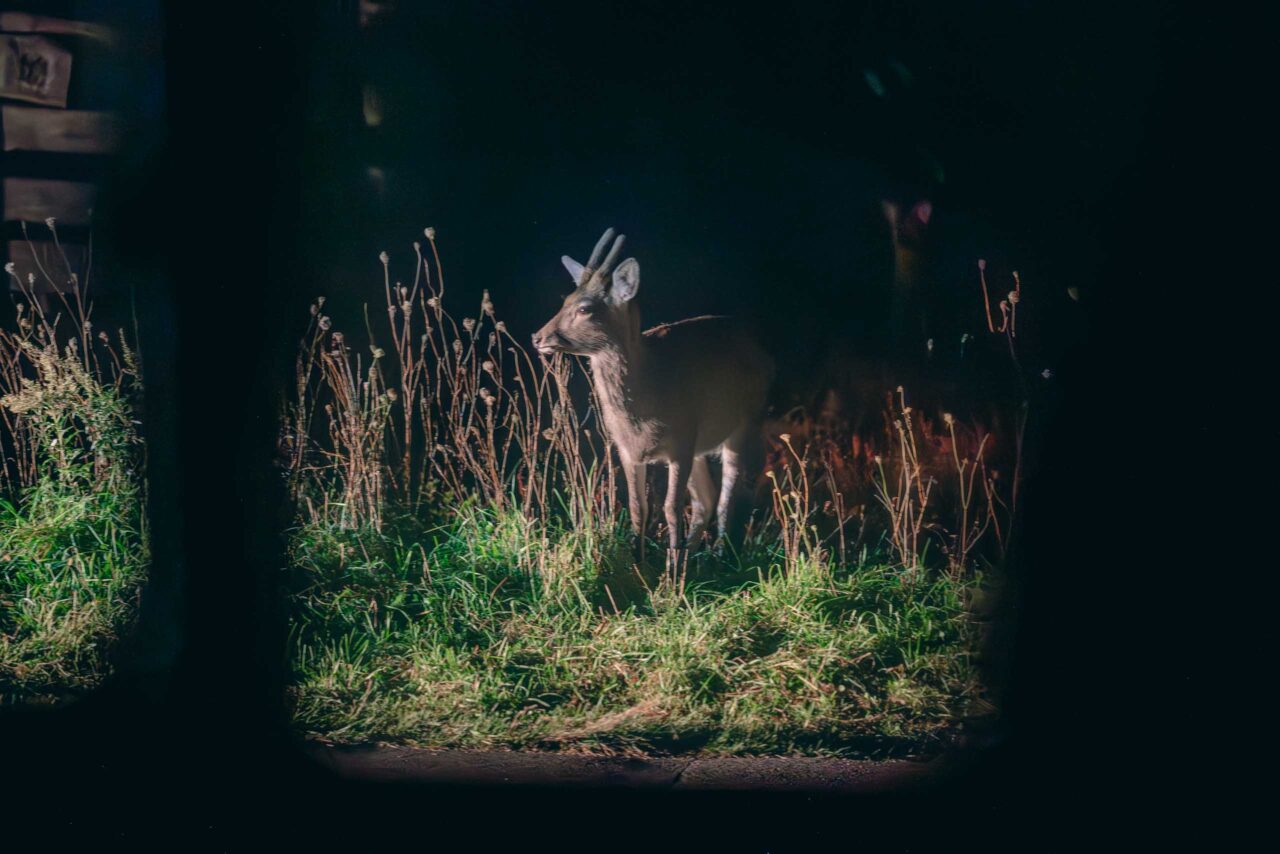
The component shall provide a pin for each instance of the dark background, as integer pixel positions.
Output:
(745, 155)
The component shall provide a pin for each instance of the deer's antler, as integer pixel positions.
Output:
(591, 271)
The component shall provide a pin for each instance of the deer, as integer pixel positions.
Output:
(673, 394)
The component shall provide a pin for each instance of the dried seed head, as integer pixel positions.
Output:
(548, 434)
(315, 309)
(384, 258)
(31, 279)
(320, 301)
(982, 264)
(457, 347)
(102, 336)
(407, 306)
(8, 268)
(325, 323)
(1047, 374)
(488, 366)
(948, 419)
(377, 352)
(501, 326)
(878, 459)
(928, 345)
(51, 222)
(430, 233)
(1014, 296)
(486, 304)
(468, 324)
(786, 437)
(434, 302)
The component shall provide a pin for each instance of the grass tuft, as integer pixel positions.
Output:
(441, 639)
(73, 548)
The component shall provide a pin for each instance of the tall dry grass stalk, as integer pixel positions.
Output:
(905, 495)
(63, 413)
(978, 512)
(456, 409)
(792, 499)
(914, 484)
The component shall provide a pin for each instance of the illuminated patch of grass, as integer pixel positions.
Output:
(72, 562)
(436, 637)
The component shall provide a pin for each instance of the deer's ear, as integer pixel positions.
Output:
(626, 281)
(574, 268)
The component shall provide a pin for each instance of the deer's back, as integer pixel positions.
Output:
(710, 372)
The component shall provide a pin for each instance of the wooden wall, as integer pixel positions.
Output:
(53, 153)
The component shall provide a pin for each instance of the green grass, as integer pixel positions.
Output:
(434, 636)
(72, 562)
(73, 550)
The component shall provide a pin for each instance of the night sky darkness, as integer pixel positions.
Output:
(745, 153)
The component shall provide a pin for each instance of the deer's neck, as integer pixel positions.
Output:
(616, 374)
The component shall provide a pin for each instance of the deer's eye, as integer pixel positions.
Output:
(584, 309)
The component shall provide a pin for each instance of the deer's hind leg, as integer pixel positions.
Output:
(741, 457)
(702, 489)
(678, 471)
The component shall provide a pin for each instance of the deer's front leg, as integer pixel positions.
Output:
(637, 502)
(677, 482)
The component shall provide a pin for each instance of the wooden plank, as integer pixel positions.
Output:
(37, 199)
(70, 131)
(21, 22)
(24, 257)
(32, 68)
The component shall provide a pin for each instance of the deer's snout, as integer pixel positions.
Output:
(547, 341)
